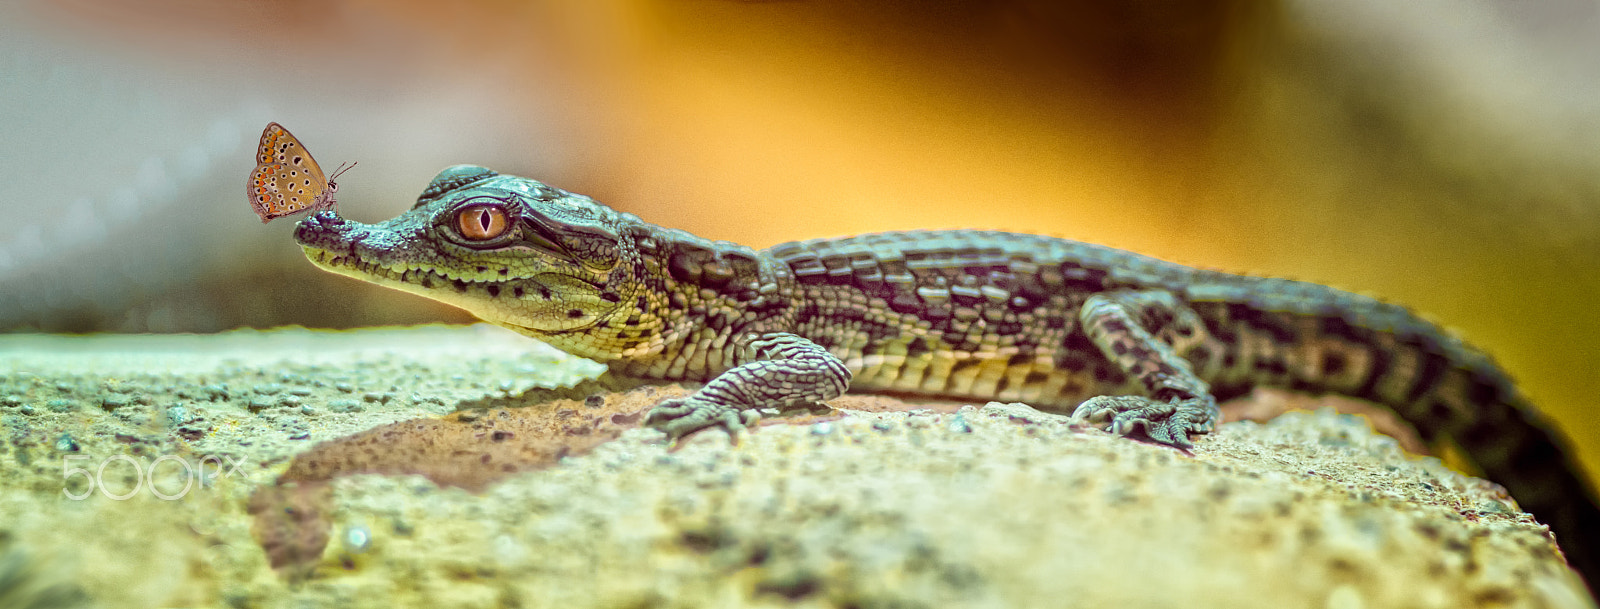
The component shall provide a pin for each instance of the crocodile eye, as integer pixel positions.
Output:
(481, 222)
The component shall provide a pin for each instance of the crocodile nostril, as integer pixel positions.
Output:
(326, 221)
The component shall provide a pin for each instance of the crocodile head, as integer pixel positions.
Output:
(510, 250)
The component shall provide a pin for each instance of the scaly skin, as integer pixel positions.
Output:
(1147, 345)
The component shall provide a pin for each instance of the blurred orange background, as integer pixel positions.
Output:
(1441, 155)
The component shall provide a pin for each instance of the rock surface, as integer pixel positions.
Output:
(988, 505)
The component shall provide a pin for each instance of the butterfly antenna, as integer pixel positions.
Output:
(341, 169)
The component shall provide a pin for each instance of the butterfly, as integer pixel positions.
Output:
(286, 179)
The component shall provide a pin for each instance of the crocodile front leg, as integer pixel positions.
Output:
(1176, 401)
(787, 370)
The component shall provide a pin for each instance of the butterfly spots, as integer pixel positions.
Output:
(287, 178)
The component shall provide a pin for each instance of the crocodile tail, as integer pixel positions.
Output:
(1314, 338)
(1517, 448)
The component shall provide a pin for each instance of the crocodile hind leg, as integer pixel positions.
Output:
(1125, 326)
(787, 370)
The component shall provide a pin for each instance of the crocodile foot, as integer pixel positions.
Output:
(1165, 422)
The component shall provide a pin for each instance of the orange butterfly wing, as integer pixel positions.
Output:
(286, 179)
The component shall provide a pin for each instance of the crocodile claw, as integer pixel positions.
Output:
(1168, 423)
(680, 417)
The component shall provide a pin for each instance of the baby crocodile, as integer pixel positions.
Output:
(1148, 345)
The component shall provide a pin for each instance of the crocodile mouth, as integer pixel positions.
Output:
(465, 292)
(408, 277)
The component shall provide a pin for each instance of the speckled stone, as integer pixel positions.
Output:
(115, 401)
(344, 405)
(992, 506)
(177, 415)
(260, 403)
